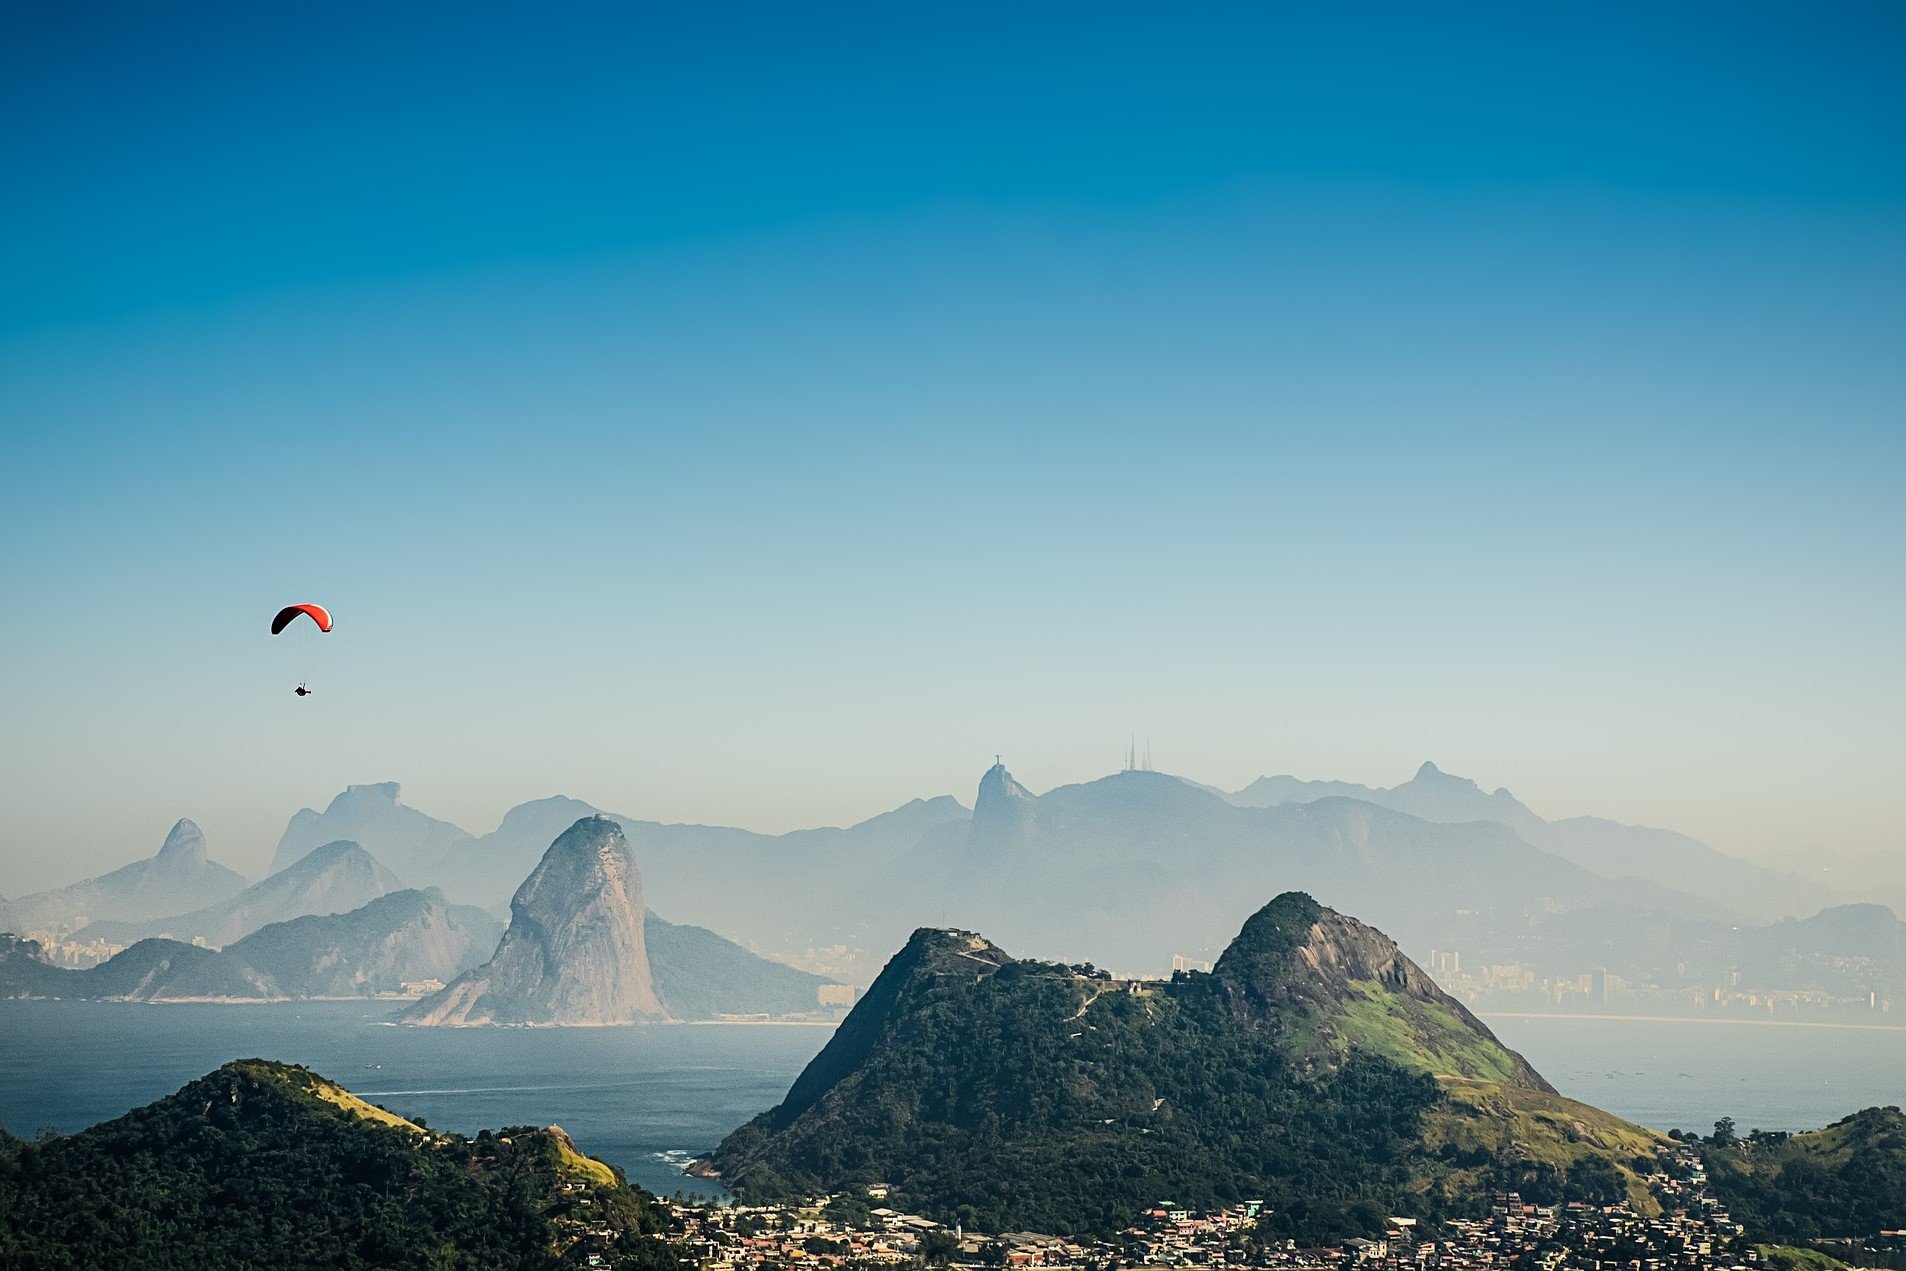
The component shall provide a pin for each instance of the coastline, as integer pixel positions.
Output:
(1692, 1019)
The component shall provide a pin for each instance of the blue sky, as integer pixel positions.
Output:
(764, 414)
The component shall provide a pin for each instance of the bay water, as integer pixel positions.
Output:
(649, 1098)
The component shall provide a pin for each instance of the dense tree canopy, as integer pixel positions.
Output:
(1846, 1180)
(1020, 1095)
(262, 1164)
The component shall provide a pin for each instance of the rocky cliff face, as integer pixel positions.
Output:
(1002, 810)
(1305, 969)
(574, 952)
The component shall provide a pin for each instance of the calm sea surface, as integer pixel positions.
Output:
(1690, 1073)
(647, 1098)
(643, 1098)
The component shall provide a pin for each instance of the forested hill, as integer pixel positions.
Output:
(1315, 1068)
(1846, 1180)
(263, 1164)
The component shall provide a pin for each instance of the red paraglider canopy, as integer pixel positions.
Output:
(318, 613)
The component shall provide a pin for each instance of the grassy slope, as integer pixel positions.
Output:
(1481, 1117)
(339, 1097)
(1420, 1035)
(1788, 1258)
(571, 1163)
(1484, 1112)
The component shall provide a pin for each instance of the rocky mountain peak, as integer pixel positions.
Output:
(944, 950)
(575, 949)
(184, 845)
(403, 838)
(996, 786)
(1430, 774)
(1000, 808)
(591, 856)
(1296, 949)
(374, 792)
(338, 853)
(1295, 958)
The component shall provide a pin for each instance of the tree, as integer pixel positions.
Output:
(938, 1247)
(848, 1211)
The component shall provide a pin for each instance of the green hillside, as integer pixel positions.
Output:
(1315, 1068)
(1848, 1179)
(265, 1164)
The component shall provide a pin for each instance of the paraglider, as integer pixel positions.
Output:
(289, 614)
(320, 618)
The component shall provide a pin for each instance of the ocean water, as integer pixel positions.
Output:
(643, 1098)
(1688, 1074)
(649, 1098)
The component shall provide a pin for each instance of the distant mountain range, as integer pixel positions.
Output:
(1149, 865)
(781, 890)
(335, 878)
(1315, 1068)
(400, 937)
(1156, 861)
(178, 878)
(403, 938)
(1613, 850)
(1140, 866)
(408, 842)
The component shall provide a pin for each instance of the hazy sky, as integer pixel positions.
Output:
(764, 414)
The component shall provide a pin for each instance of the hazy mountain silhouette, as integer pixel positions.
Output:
(179, 877)
(334, 879)
(1141, 865)
(409, 843)
(375, 949)
(1662, 857)
(782, 890)
(699, 975)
